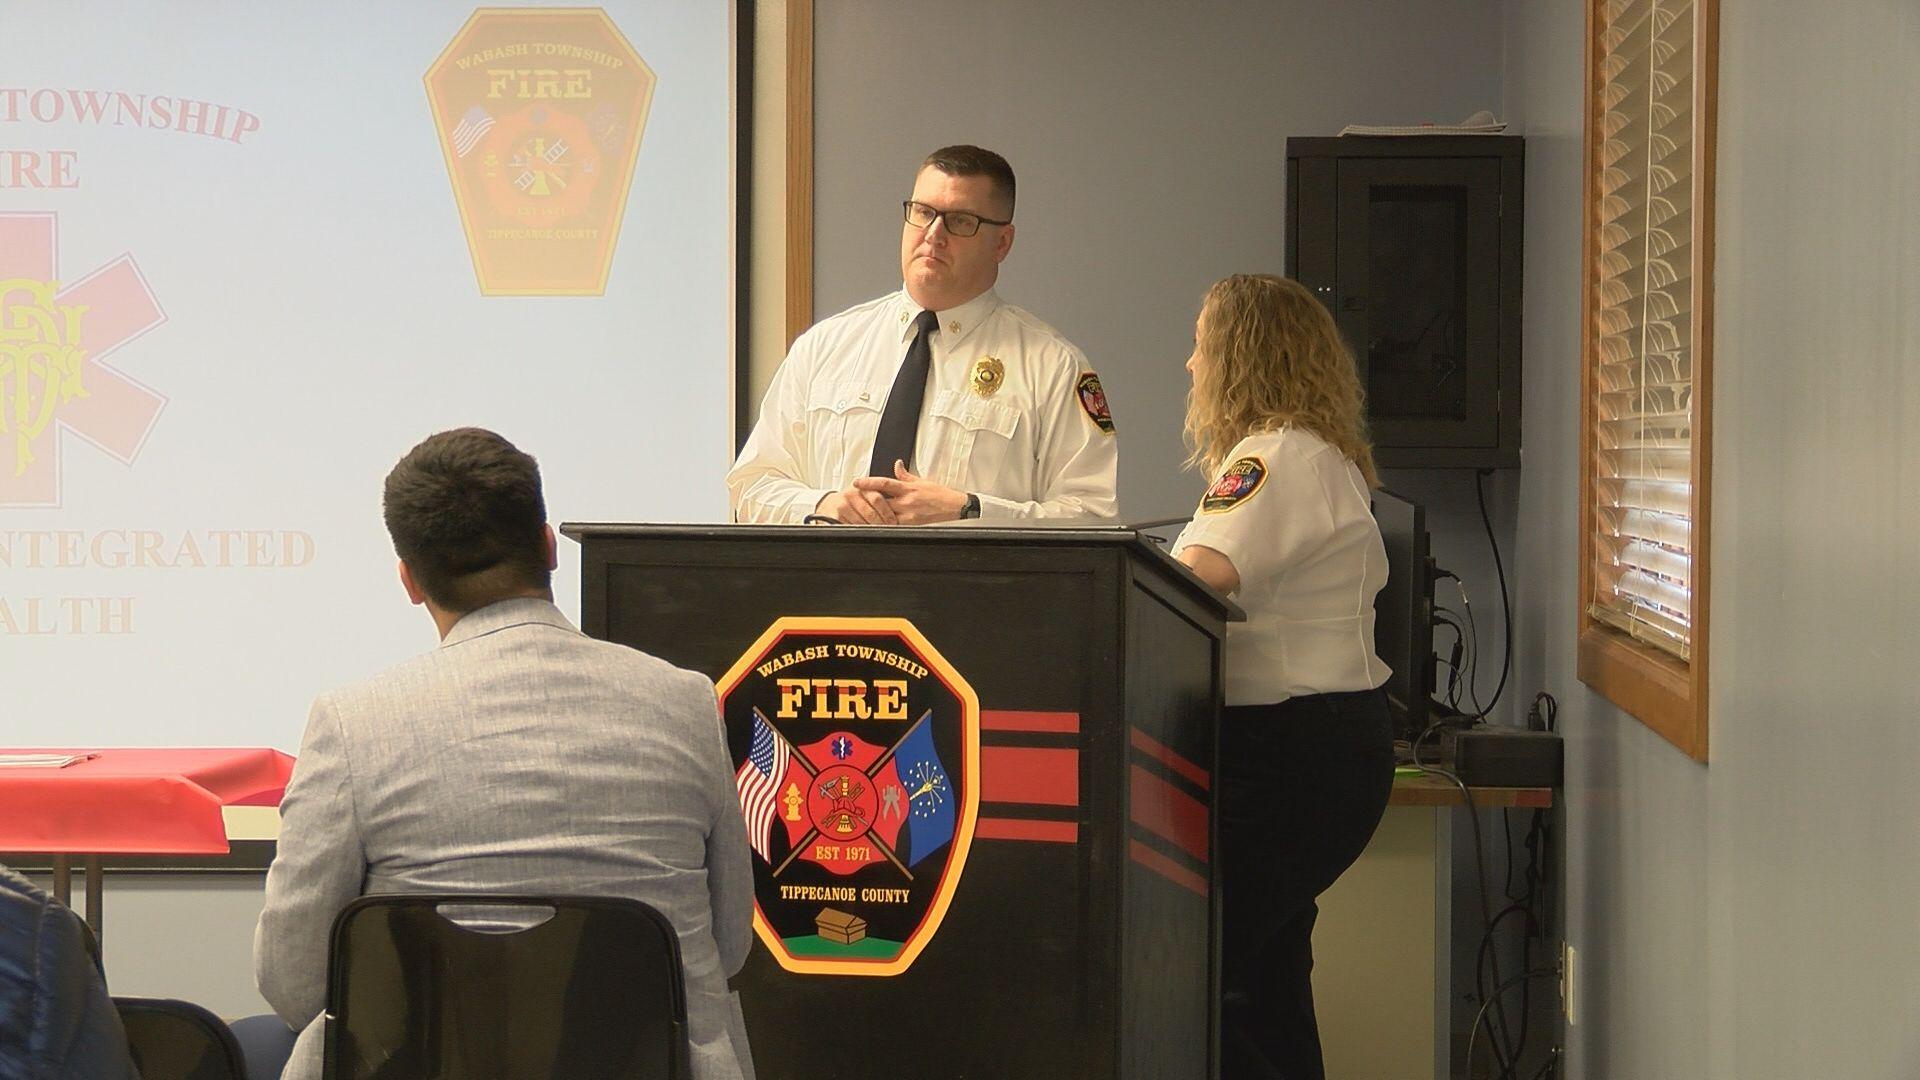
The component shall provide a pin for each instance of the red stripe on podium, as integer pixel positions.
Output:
(1166, 867)
(1059, 832)
(1169, 813)
(1030, 774)
(1147, 745)
(1061, 723)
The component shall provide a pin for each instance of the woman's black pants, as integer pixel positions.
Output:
(1303, 784)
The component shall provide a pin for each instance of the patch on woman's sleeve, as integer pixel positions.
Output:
(1236, 485)
(1094, 401)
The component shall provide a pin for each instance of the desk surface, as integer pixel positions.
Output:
(1429, 790)
(136, 800)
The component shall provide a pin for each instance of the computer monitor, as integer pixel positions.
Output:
(1403, 611)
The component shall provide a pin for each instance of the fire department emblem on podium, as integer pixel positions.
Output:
(856, 749)
(539, 113)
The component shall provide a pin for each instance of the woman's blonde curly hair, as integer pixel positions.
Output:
(1271, 356)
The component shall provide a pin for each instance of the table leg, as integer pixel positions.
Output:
(95, 880)
(63, 879)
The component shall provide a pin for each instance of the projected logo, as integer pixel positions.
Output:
(540, 112)
(54, 342)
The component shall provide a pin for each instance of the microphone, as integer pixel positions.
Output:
(1141, 527)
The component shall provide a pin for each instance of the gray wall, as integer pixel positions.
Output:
(186, 936)
(1150, 143)
(1753, 918)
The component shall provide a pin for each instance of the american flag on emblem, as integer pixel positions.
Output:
(468, 131)
(758, 783)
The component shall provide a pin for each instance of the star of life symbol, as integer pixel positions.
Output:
(55, 339)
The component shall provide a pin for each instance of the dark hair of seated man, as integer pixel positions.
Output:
(468, 520)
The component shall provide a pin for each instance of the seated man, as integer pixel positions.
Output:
(519, 757)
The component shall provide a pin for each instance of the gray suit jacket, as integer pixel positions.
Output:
(519, 757)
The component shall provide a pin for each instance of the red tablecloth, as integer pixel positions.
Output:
(135, 801)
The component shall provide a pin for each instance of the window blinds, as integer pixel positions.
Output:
(1643, 333)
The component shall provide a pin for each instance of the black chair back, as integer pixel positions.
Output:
(474, 987)
(178, 1040)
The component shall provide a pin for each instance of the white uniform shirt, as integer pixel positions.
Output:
(1293, 516)
(1040, 445)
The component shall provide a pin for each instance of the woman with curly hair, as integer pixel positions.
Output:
(1275, 417)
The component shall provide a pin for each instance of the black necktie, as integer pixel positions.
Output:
(901, 420)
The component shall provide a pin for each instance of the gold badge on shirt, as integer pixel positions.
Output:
(987, 375)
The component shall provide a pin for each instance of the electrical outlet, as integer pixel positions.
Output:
(1569, 981)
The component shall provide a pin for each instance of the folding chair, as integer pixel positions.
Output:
(464, 987)
(178, 1040)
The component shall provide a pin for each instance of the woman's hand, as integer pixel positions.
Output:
(1211, 567)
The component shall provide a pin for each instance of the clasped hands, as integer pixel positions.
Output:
(901, 499)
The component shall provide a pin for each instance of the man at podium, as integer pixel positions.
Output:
(938, 402)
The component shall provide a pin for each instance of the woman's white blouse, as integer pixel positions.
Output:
(1294, 517)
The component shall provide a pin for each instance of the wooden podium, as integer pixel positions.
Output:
(975, 764)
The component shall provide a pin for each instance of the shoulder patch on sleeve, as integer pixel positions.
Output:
(1094, 401)
(1237, 483)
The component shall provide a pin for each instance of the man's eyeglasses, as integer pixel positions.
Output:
(959, 222)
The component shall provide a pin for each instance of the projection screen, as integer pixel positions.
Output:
(251, 253)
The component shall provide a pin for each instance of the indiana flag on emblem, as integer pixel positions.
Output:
(758, 782)
(915, 769)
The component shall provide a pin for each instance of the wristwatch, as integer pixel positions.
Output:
(972, 507)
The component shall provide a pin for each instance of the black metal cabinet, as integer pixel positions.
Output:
(1414, 243)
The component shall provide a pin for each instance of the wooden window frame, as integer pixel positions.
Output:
(799, 298)
(1664, 693)
(775, 196)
